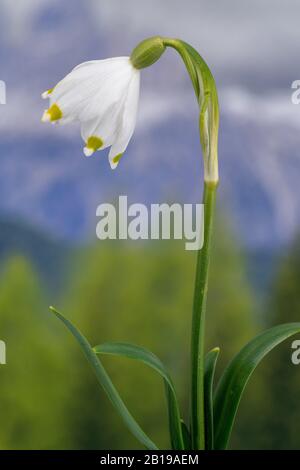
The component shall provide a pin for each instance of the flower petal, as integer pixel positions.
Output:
(111, 91)
(52, 114)
(127, 121)
(78, 90)
(82, 72)
(103, 128)
(93, 143)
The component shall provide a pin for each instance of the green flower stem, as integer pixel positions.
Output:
(198, 322)
(206, 93)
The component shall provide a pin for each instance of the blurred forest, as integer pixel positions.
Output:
(141, 293)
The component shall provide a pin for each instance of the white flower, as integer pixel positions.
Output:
(103, 96)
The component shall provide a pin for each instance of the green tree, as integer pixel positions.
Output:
(33, 382)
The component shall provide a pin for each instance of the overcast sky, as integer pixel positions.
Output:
(253, 42)
(258, 40)
(252, 48)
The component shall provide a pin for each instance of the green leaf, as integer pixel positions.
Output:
(132, 351)
(209, 372)
(186, 436)
(106, 383)
(237, 374)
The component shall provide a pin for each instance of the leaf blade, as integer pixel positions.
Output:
(209, 372)
(237, 374)
(186, 436)
(132, 351)
(106, 383)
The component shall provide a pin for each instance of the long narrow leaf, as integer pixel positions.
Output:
(237, 374)
(186, 436)
(132, 351)
(209, 372)
(106, 383)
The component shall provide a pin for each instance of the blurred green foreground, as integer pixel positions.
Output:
(49, 398)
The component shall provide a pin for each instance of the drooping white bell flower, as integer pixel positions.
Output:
(103, 96)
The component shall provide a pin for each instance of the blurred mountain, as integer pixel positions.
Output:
(44, 180)
(47, 255)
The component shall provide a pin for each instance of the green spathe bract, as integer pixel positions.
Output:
(211, 417)
(207, 97)
(149, 51)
